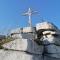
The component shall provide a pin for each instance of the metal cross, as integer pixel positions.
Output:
(29, 13)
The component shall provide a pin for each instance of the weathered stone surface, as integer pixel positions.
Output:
(53, 51)
(50, 58)
(24, 45)
(17, 55)
(25, 48)
(45, 25)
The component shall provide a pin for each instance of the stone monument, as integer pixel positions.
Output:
(41, 42)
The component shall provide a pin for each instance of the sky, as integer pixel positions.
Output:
(11, 13)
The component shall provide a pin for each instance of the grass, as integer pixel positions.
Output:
(6, 40)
